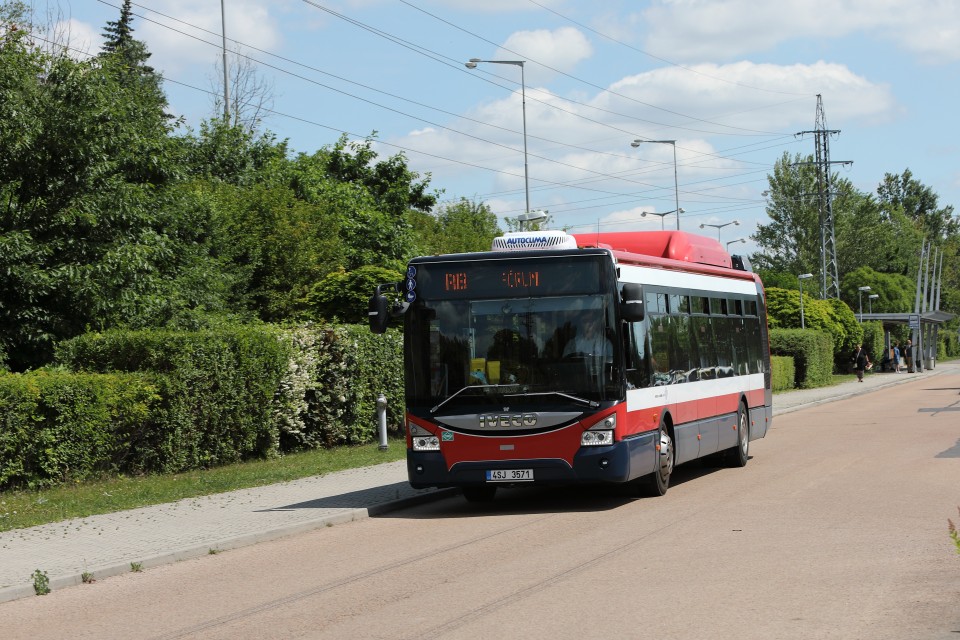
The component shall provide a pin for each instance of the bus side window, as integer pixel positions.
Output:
(638, 367)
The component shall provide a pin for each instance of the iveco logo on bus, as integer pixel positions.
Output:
(508, 421)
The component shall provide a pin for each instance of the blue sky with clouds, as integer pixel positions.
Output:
(731, 82)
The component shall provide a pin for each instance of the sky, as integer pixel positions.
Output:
(733, 84)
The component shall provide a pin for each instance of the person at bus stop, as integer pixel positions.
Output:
(896, 357)
(908, 354)
(861, 361)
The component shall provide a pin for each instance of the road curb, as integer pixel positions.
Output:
(17, 592)
(907, 378)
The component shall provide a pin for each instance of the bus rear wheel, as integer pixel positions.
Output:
(479, 492)
(657, 483)
(739, 455)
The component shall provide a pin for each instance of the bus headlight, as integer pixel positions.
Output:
(426, 443)
(596, 438)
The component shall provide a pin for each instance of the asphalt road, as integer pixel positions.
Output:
(837, 528)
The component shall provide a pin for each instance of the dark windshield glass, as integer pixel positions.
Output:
(511, 348)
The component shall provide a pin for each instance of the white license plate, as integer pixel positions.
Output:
(510, 475)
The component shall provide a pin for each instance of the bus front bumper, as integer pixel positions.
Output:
(621, 462)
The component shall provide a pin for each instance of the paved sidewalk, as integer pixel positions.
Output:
(106, 545)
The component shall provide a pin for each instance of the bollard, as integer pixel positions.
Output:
(382, 420)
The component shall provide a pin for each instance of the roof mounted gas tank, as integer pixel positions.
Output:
(675, 245)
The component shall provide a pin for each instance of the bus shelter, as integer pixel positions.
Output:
(925, 330)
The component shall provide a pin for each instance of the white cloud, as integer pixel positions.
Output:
(564, 48)
(482, 6)
(79, 36)
(627, 220)
(195, 34)
(697, 30)
(715, 93)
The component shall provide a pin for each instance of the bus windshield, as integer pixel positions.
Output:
(466, 353)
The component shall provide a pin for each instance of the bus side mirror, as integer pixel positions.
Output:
(377, 312)
(631, 305)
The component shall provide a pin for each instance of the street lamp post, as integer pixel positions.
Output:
(800, 279)
(720, 226)
(860, 291)
(743, 240)
(531, 217)
(643, 214)
(870, 299)
(472, 64)
(676, 189)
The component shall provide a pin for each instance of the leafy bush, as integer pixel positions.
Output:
(812, 354)
(873, 341)
(58, 426)
(163, 401)
(832, 317)
(783, 372)
(218, 390)
(354, 366)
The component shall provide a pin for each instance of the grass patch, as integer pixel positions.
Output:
(21, 509)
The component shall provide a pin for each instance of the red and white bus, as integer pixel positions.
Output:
(507, 383)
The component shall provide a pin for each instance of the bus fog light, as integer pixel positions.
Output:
(604, 463)
(426, 443)
(596, 438)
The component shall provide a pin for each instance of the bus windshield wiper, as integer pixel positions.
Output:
(470, 386)
(589, 403)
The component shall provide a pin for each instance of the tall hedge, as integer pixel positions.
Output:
(353, 366)
(165, 401)
(812, 353)
(57, 426)
(218, 390)
(783, 373)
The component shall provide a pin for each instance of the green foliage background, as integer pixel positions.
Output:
(812, 353)
(172, 401)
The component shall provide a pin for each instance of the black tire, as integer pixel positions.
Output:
(479, 492)
(657, 483)
(739, 455)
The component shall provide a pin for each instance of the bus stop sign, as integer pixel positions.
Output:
(914, 321)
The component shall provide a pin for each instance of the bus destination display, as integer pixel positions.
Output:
(501, 278)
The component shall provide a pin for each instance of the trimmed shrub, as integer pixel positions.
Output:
(812, 353)
(57, 426)
(353, 367)
(783, 373)
(832, 317)
(163, 401)
(218, 390)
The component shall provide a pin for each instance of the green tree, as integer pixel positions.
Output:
(277, 247)
(920, 204)
(344, 296)
(790, 243)
(235, 155)
(81, 157)
(831, 316)
(461, 227)
(896, 292)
